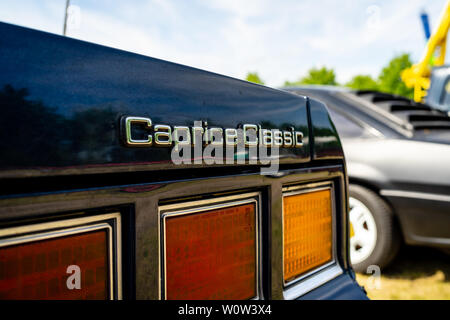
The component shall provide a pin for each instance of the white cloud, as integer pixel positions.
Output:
(280, 40)
(247, 8)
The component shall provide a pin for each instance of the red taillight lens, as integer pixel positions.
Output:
(38, 270)
(212, 254)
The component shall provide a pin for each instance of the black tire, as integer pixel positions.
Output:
(388, 234)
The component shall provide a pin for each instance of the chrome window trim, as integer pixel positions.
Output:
(363, 125)
(319, 275)
(57, 229)
(198, 206)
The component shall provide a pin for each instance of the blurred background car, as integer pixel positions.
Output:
(398, 155)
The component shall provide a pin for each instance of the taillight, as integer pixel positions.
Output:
(307, 232)
(211, 254)
(39, 270)
(68, 259)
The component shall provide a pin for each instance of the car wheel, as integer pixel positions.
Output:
(374, 236)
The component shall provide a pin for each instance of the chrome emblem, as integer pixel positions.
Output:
(162, 135)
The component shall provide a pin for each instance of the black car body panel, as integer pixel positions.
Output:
(62, 156)
(343, 289)
(401, 151)
(71, 94)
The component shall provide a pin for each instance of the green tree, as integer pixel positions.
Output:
(254, 77)
(363, 82)
(316, 76)
(390, 77)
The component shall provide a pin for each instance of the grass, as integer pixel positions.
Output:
(415, 274)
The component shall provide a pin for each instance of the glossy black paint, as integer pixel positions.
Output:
(343, 288)
(326, 143)
(61, 101)
(383, 156)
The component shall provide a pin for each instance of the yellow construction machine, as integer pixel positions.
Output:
(418, 76)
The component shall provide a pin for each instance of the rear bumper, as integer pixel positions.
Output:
(343, 287)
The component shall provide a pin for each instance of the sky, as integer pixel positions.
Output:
(281, 40)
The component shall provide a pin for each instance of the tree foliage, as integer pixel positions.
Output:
(363, 82)
(390, 77)
(322, 76)
(254, 77)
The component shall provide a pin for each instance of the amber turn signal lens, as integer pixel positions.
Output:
(211, 254)
(40, 269)
(307, 232)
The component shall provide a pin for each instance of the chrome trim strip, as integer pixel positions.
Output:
(359, 122)
(415, 195)
(432, 240)
(315, 281)
(57, 229)
(305, 186)
(311, 280)
(197, 203)
(199, 206)
(55, 224)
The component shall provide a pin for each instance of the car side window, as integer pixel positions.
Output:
(346, 127)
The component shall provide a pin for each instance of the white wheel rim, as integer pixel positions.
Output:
(364, 238)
